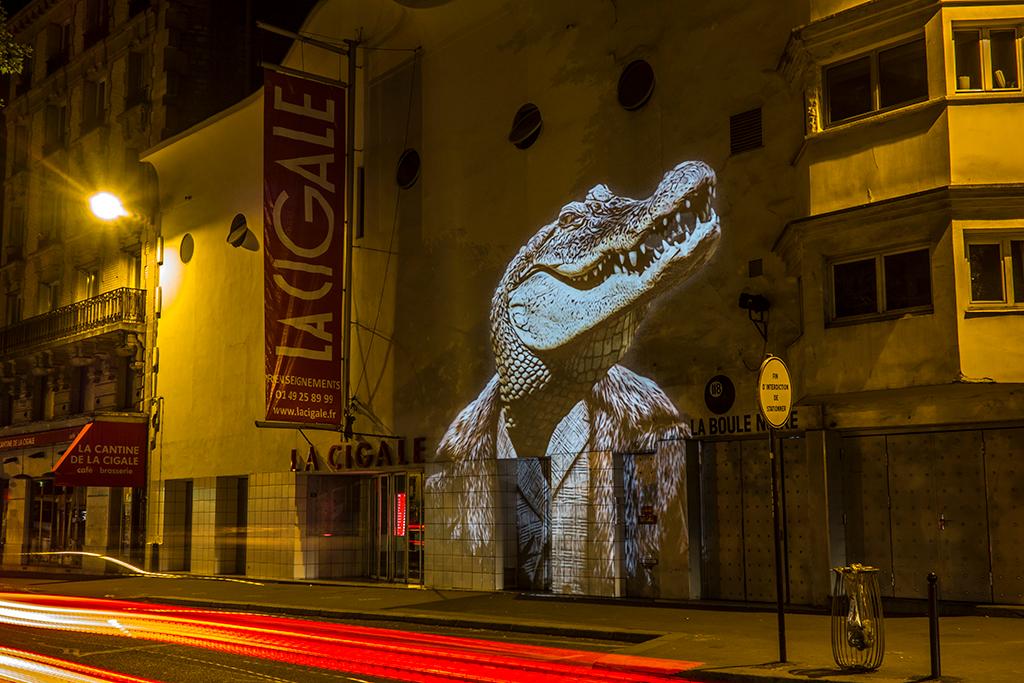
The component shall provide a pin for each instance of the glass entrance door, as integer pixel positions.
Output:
(396, 528)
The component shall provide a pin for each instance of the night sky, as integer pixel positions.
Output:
(268, 10)
(13, 6)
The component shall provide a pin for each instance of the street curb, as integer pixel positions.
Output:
(452, 621)
(733, 676)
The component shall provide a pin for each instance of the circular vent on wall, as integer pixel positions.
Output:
(526, 126)
(187, 249)
(636, 85)
(408, 171)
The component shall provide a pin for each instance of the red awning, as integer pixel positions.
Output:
(36, 439)
(105, 454)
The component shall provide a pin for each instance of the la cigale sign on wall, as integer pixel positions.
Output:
(362, 454)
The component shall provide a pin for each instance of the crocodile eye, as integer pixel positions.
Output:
(568, 218)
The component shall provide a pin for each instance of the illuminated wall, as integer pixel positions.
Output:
(432, 256)
(489, 322)
(210, 340)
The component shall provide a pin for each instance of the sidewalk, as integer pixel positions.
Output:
(733, 645)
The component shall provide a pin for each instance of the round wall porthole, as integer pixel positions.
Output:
(636, 85)
(187, 249)
(408, 171)
(526, 126)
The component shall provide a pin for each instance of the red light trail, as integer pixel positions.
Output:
(384, 653)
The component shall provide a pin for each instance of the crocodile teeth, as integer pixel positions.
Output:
(664, 221)
(632, 258)
(687, 203)
(622, 258)
(679, 217)
(643, 249)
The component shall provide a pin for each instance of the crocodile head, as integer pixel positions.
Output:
(572, 297)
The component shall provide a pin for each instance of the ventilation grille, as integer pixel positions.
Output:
(745, 131)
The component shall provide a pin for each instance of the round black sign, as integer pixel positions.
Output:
(719, 394)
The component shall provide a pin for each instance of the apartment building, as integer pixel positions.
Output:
(106, 80)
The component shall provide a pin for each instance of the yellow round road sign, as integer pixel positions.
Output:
(774, 392)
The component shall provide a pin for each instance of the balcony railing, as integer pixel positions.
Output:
(124, 305)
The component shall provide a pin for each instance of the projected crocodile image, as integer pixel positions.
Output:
(562, 317)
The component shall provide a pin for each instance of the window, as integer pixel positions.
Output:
(55, 522)
(55, 133)
(49, 296)
(79, 387)
(885, 78)
(882, 283)
(88, 283)
(986, 59)
(6, 407)
(39, 397)
(94, 104)
(58, 46)
(53, 218)
(20, 147)
(996, 266)
(136, 81)
(12, 309)
(333, 506)
(96, 21)
(24, 82)
(15, 243)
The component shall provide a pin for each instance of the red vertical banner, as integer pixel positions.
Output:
(303, 223)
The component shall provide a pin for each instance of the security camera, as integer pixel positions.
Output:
(755, 303)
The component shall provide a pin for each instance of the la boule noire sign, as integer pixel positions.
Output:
(774, 392)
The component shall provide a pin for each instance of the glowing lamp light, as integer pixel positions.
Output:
(106, 206)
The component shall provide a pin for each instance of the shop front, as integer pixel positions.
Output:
(364, 510)
(72, 491)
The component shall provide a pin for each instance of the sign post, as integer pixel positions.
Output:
(775, 401)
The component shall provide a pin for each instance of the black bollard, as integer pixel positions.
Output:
(933, 623)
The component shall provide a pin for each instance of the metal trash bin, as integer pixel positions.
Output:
(858, 627)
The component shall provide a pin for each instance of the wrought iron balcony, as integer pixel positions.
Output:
(124, 306)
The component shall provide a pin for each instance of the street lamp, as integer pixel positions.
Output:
(106, 206)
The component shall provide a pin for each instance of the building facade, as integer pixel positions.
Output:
(107, 79)
(555, 209)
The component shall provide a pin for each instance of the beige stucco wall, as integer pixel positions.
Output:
(983, 148)
(888, 353)
(479, 199)
(951, 140)
(210, 341)
(824, 8)
(990, 348)
(426, 269)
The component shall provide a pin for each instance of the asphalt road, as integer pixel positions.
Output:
(178, 663)
(161, 661)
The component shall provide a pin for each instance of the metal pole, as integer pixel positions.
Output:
(779, 603)
(350, 151)
(933, 624)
